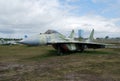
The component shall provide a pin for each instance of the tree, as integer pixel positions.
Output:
(107, 37)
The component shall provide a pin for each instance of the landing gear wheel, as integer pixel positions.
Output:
(59, 51)
(82, 48)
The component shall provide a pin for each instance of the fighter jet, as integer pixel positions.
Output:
(62, 43)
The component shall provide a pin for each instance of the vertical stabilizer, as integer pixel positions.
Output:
(91, 37)
(72, 34)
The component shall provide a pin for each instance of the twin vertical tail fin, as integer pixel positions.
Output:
(72, 34)
(91, 37)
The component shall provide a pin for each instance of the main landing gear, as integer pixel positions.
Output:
(59, 51)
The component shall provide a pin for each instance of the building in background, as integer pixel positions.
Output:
(80, 34)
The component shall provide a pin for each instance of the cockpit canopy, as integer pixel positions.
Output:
(57, 34)
(51, 31)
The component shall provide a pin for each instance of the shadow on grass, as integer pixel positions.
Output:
(53, 53)
(96, 52)
(91, 52)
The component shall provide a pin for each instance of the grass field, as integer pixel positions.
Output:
(22, 63)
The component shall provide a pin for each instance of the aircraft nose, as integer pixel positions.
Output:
(23, 42)
(30, 41)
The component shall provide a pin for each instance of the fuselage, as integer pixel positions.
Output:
(46, 39)
(60, 42)
(40, 39)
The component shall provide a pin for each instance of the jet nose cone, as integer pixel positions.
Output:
(23, 42)
(30, 41)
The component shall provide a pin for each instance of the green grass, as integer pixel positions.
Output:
(22, 63)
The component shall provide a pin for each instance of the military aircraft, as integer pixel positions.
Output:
(7, 42)
(62, 43)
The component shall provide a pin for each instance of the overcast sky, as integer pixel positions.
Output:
(29, 17)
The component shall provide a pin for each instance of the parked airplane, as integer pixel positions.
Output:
(2, 41)
(62, 43)
(7, 42)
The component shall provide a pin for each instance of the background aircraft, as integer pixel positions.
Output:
(6, 41)
(62, 43)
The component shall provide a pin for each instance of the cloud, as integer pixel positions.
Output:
(21, 17)
(7, 31)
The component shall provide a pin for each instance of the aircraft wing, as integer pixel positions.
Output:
(81, 43)
(74, 42)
